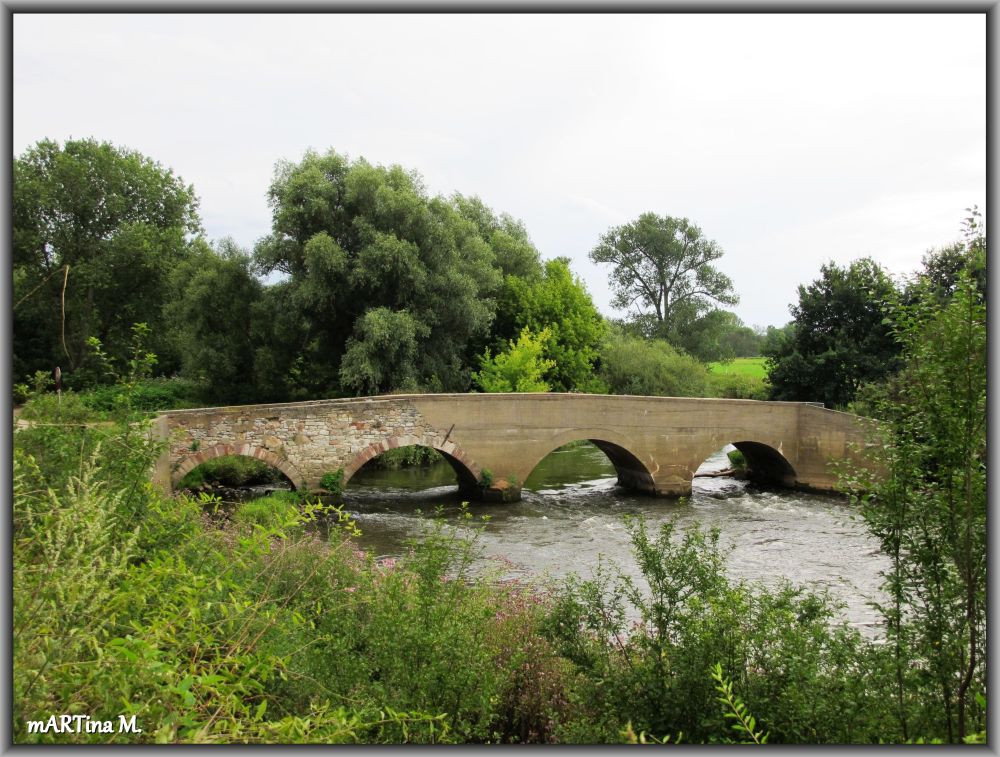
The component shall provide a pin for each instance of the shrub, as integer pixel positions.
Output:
(174, 632)
(420, 633)
(737, 387)
(737, 459)
(58, 434)
(150, 395)
(644, 655)
(652, 367)
(520, 367)
(333, 482)
(274, 511)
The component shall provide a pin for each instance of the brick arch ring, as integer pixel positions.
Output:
(188, 464)
(455, 455)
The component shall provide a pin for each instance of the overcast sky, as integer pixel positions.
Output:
(791, 140)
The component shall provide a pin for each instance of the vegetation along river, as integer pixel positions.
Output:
(571, 513)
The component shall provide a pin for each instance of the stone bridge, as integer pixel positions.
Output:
(493, 441)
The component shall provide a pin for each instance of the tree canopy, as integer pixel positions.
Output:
(714, 335)
(392, 286)
(96, 231)
(211, 323)
(520, 367)
(558, 303)
(661, 265)
(842, 336)
(943, 267)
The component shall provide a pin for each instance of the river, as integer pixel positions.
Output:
(571, 514)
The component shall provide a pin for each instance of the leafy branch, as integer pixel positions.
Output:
(734, 709)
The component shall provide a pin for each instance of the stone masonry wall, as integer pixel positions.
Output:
(304, 440)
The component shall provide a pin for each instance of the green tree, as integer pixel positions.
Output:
(211, 321)
(714, 335)
(775, 338)
(745, 341)
(366, 250)
(383, 351)
(926, 503)
(941, 267)
(558, 302)
(650, 367)
(519, 263)
(97, 230)
(842, 336)
(660, 265)
(515, 253)
(519, 368)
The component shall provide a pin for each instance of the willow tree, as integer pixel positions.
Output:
(390, 284)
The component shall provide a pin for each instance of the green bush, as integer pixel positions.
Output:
(383, 635)
(519, 367)
(150, 395)
(804, 673)
(650, 367)
(333, 482)
(170, 624)
(57, 435)
(737, 459)
(274, 511)
(737, 386)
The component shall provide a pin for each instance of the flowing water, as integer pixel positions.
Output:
(571, 514)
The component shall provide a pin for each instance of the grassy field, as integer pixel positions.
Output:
(741, 366)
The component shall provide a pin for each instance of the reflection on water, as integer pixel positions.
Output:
(571, 513)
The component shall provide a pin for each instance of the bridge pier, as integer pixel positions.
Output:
(500, 491)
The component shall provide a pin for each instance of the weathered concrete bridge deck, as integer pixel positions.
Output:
(655, 443)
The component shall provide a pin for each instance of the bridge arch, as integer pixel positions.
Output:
(767, 464)
(191, 462)
(465, 468)
(632, 472)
